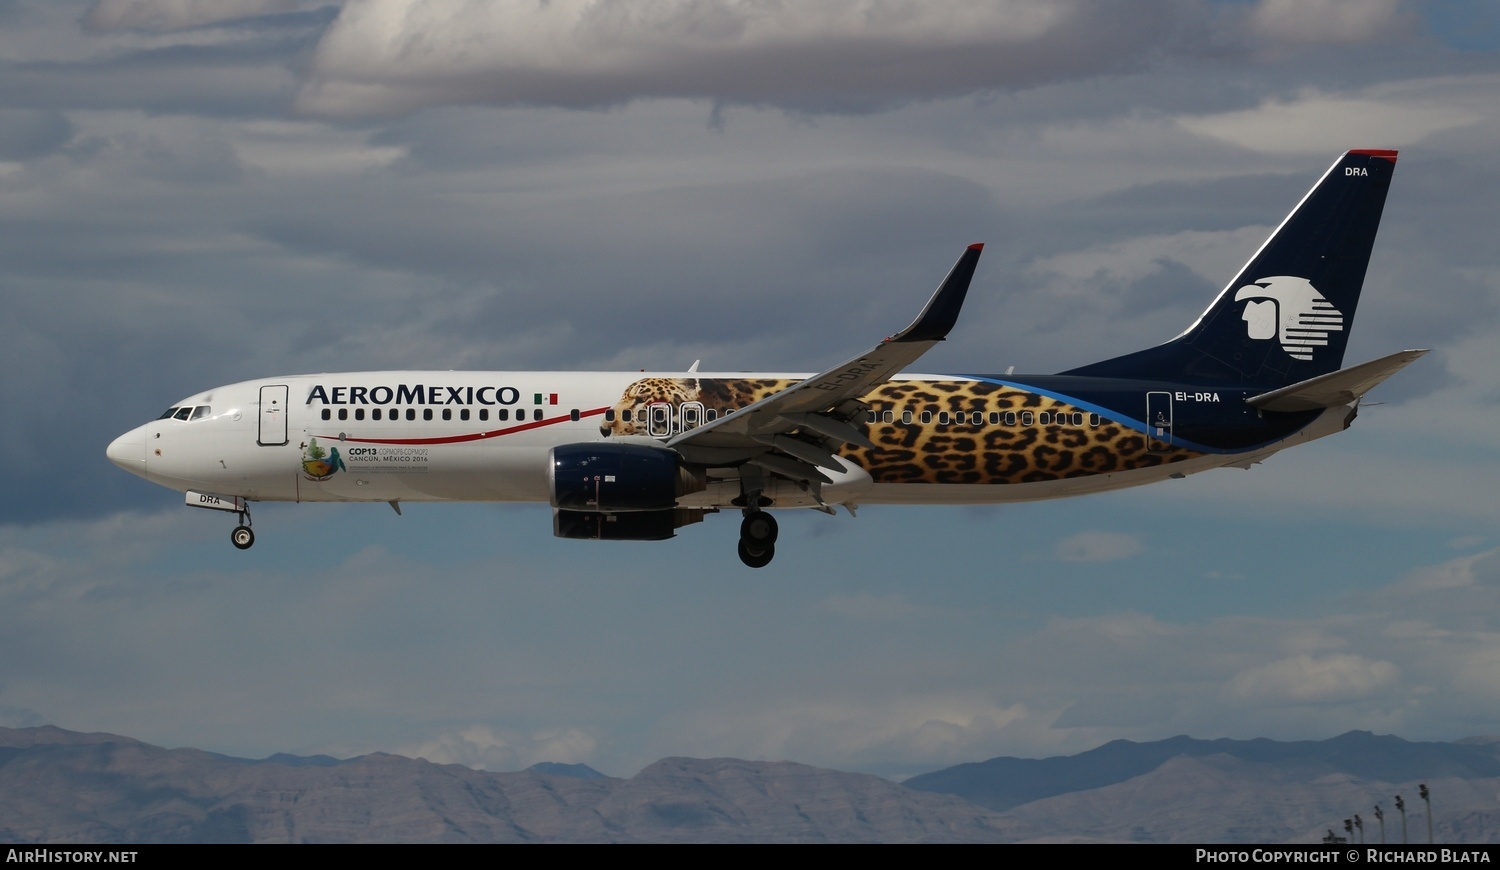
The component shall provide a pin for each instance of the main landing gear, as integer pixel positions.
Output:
(757, 538)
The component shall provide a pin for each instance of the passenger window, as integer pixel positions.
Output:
(1077, 418)
(343, 413)
(926, 416)
(1044, 418)
(411, 413)
(426, 413)
(484, 414)
(1094, 420)
(573, 415)
(463, 414)
(624, 415)
(906, 416)
(327, 414)
(1010, 418)
(942, 418)
(872, 417)
(502, 414)
(609, 416)
(1026, 418)
(375, 414)
(447, 413)
(889, 416)
(713, 414)
(536, 414)
(359, 413)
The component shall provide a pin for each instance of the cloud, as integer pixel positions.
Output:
(1465, 572)
(1327, 21)
(1319, 122)
(921, 729)
(485, 748)
(168, 15)
(28, 133)
(1098, 547)
(1304, 678)
(395, 56)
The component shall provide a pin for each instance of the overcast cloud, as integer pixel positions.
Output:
(197, 194)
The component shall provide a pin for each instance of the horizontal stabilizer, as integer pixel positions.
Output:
(1335, 388)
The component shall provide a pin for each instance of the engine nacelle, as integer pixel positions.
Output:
(610, 478)
(631, 526)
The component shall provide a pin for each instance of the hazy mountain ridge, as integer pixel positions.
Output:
(1186, 790)
(58, 786)
(1005, 782)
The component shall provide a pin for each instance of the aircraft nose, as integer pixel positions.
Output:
(129, 451)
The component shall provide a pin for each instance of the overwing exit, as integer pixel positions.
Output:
(637, 456)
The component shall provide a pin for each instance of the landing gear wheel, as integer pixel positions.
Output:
(757, 558)
(242, 537)
(758, 530)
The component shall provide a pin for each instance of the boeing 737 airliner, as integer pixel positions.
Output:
(636, 456)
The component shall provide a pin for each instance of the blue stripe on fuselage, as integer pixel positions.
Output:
(1136, 393)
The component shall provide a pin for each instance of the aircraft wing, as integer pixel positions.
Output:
(795, 431)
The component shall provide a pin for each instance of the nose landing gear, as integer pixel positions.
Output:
(243, 537)
(757, 538)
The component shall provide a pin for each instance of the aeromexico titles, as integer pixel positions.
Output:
(636, 456)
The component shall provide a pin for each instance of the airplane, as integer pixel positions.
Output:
(637, 456)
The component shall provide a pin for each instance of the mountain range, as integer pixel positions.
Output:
(63, 786)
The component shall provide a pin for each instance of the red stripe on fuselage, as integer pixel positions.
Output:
(473, 436)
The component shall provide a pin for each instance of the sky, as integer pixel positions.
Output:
(200, 193)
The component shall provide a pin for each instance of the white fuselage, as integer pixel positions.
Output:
(483, 436)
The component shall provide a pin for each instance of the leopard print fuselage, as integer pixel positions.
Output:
(927, 431)
(718, 394)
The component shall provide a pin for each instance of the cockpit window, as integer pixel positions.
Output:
(187, 412)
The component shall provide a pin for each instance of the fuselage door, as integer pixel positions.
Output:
(1159, 421)
(272, 416)
(659, 419)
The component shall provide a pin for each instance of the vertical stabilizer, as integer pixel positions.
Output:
(1286, 316)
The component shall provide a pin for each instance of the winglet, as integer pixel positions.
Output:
(942, 309)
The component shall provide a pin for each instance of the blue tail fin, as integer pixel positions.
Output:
(1286, 317)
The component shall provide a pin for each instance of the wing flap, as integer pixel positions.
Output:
(1335, 388)
(790, 468)
(809, 453)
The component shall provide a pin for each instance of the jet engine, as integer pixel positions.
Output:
(628, 526)
(610, 478)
